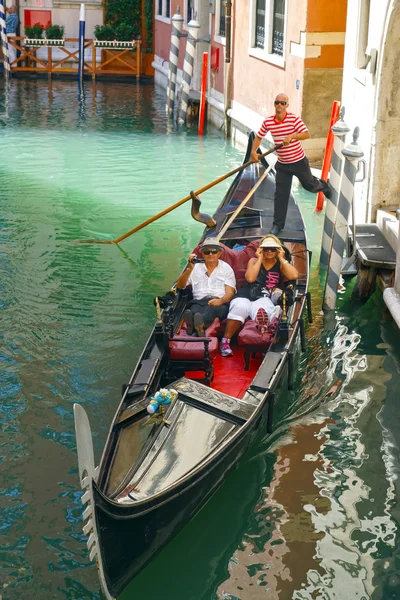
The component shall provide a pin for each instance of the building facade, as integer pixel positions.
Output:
(60, 12)
(276, 46)
(371, 96)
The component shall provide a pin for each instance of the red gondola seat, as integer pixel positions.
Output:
(195, 354)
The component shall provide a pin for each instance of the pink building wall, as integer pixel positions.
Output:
(162, 37)
(257, 82)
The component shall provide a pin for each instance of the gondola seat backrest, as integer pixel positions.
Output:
(193, 350)
(237, 259)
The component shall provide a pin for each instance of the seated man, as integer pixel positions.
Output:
(213, 284)
(257, 298)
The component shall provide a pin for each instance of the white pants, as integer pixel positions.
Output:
(242, 308)
(12, 53)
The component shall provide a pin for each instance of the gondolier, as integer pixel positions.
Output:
(287, 129)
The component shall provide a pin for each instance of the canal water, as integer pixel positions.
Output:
(311, 512)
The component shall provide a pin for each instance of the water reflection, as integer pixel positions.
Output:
(324, 526)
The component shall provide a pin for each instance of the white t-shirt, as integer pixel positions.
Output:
(214, 285)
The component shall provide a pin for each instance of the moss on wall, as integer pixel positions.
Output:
(321, 88)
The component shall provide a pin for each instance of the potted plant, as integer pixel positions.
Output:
(104, 33)
(104, 36)
(34, 35)
(55, 35)
(118, 37)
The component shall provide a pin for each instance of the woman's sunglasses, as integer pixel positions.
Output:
(283, 102)
(207, 252)
(270, 249)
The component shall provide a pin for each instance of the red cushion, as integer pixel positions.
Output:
(211, 330)
(192, 350)
(250, 336)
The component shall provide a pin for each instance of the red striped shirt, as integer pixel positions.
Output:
(279, 130)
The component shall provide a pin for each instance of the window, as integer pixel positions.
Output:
(362, 34)
(260, 24)
(163, 10)
(267, 29)
(220, 18)
(278, 27)
(190, 12)
(222, 14)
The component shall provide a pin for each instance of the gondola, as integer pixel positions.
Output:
(157, 471)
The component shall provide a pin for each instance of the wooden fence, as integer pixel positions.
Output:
(115, 60)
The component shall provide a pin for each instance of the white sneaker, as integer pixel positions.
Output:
(225, 348)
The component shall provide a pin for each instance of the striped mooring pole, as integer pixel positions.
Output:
(177, 22)
(81, 44)
(4, 41)
(353, 155)
(339, 130)
(193, 35)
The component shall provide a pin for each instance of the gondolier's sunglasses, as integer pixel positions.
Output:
(207, 252)
(283, 102)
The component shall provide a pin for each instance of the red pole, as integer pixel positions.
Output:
(202, 111)
(328, 153)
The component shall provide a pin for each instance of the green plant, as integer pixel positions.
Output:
(54, 32)
(104, 33)
(126, 33)
(124, 19)
(148, 19)
(118, 12)
(34, 32)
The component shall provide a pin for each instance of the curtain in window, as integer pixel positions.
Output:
(278, 27)
(260, 24)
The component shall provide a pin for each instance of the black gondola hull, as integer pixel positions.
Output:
(136, 502)
(139, 532)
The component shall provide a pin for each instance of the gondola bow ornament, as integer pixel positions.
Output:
(87, 473)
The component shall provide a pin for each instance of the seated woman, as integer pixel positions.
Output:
(257, 298)
(213, 284)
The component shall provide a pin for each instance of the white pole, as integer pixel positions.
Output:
(81, 46)
(352, 154)
(194, 29)
(340, 129)
(177, 22)
(4, 41)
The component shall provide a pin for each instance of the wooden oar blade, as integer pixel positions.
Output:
(197, 215)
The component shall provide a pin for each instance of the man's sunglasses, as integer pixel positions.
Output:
(207, 252)
(270, 249)
(283, 102)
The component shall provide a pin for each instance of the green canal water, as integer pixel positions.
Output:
(311, 512)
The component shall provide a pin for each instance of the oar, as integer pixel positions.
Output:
(243, 203)
(185, 199)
